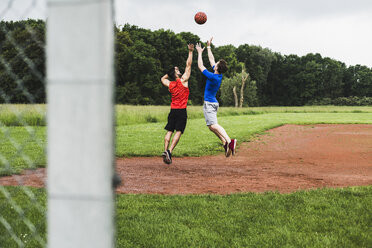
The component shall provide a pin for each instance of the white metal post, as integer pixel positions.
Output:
(80, 123)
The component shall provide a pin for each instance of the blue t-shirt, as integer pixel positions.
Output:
(212, 85)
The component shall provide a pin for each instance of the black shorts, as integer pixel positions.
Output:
(177, 119)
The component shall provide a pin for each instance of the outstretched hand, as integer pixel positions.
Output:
(199, 48)
(209, 42)
(190, 47)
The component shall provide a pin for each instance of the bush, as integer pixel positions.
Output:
(322, 101)
(353, 101)
(343, 101)
(127, 94)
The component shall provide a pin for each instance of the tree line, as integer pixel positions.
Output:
(143, 56)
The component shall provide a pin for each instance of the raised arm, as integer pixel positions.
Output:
(165, 81)
(210, 54)
(185, 77)
(200, 58)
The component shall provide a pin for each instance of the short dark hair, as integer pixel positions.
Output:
(222, 66)
(172, 73)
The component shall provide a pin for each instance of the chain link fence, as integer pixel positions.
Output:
(50, 62)
(22, 123)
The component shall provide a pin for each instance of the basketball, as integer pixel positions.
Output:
(200, 18)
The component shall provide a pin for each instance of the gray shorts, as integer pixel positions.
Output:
(210, 112)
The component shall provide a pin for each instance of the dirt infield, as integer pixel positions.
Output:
(284, 159)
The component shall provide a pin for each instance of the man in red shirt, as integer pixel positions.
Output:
(179, 88)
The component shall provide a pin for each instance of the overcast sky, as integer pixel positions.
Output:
(340, 29)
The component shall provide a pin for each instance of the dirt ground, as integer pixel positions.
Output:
(284, 159)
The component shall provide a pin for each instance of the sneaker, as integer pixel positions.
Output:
(232, 146)
(169, 156)
(226, 147)
(164, 155)
(116, 180)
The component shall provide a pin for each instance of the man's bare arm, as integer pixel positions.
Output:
(200, 58)
(185, 77)
(210, 54)
(165, 81)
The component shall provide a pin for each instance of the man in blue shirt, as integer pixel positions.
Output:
(211, 105)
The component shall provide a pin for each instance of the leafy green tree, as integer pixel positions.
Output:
(361, 81)
(228, 53)
(22, 63)
(257, 61)
(142, 56)
(332, 78)
(283, 84)
(231, 94)
(148, 57)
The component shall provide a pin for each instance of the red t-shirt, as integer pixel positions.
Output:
(180, 94)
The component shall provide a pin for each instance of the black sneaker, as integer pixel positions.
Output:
(226, 147)
(165, 157)
(169, 157)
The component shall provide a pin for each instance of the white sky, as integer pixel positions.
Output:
(340, 29)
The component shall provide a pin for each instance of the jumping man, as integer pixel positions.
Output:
(211, 105)
(177, 118)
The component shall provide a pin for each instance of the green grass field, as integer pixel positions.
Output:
(34, 115)
(24, 147)
(316, 218)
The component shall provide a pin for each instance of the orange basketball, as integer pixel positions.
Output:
(200, 18)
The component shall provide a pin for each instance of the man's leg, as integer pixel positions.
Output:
(165, 155)
(220, 132)
(167, 139)
(229, 144)
(224, 142)
(175, 140)
(210, 114)
(218, 135)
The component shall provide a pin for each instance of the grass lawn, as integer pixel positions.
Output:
(24, 147)
(35, 114)
(316, 218)
(148, 139)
